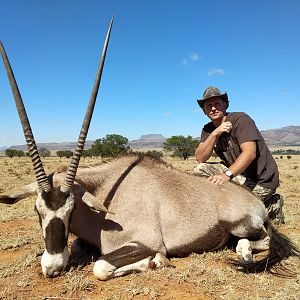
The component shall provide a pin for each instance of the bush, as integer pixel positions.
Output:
(181, 146)
(64, 153)
(154, 154)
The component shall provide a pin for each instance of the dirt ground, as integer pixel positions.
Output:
(205, 276)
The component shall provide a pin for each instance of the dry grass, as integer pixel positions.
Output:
(205, 276)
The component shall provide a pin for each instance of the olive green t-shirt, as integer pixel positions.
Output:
(263, 169)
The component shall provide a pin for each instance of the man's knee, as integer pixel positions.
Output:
(209, 169)
(200, 169)
(263, 193)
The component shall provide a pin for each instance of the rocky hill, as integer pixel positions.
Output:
(148, 141)
(285, 136)
(52, 146)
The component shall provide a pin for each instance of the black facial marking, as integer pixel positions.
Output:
(55, 238)
(40, 218)
(55, 198)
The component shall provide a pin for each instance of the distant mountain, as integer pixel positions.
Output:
(54, 146)
(285, 136)
(148, 141)
(145, 141)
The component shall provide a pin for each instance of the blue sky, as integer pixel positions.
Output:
(162, 55)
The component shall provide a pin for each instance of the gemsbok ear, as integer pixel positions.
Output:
(91, 201)
(15, 195)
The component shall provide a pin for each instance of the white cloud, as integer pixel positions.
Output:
(194, 56)
(217, 72)
(184, 62)
(197, 110)
(167, 114)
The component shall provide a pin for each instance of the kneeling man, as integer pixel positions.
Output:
(246, 159)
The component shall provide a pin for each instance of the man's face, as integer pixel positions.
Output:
(215, 108)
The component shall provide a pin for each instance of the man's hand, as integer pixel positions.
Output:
(218, 179)
(224, 127)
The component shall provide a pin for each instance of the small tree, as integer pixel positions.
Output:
(10, 152)
(87, 153)
(181, 146)
(68, 153)
(60, 153)
(110, 146)
(20, 153)
(13, 152)
(44, 152)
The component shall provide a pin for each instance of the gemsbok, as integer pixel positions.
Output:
(140, 212)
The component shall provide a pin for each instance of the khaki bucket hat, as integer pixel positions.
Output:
(212, 92)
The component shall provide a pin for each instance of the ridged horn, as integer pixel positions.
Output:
(71, 173)
(39, 171)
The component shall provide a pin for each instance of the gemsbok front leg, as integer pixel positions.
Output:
(133, 257)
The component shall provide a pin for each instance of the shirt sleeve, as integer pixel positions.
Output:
(246, 130)
(206, 131)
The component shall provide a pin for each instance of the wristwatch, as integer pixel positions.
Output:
(229, 174)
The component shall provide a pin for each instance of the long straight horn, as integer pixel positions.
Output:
(40, 174)
(70, 176)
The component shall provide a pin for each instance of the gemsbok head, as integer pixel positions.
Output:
(54, 203)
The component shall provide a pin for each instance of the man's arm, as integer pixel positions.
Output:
(205, 149)
(248, 154)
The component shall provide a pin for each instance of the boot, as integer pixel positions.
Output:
(274, 205)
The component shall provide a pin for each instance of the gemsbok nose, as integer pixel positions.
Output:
(54, 264)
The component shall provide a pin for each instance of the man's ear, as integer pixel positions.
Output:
(91, 201)
(15, 195)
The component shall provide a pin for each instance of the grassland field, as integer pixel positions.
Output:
(199, 276)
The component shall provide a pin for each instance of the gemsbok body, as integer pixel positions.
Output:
(139, 212)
